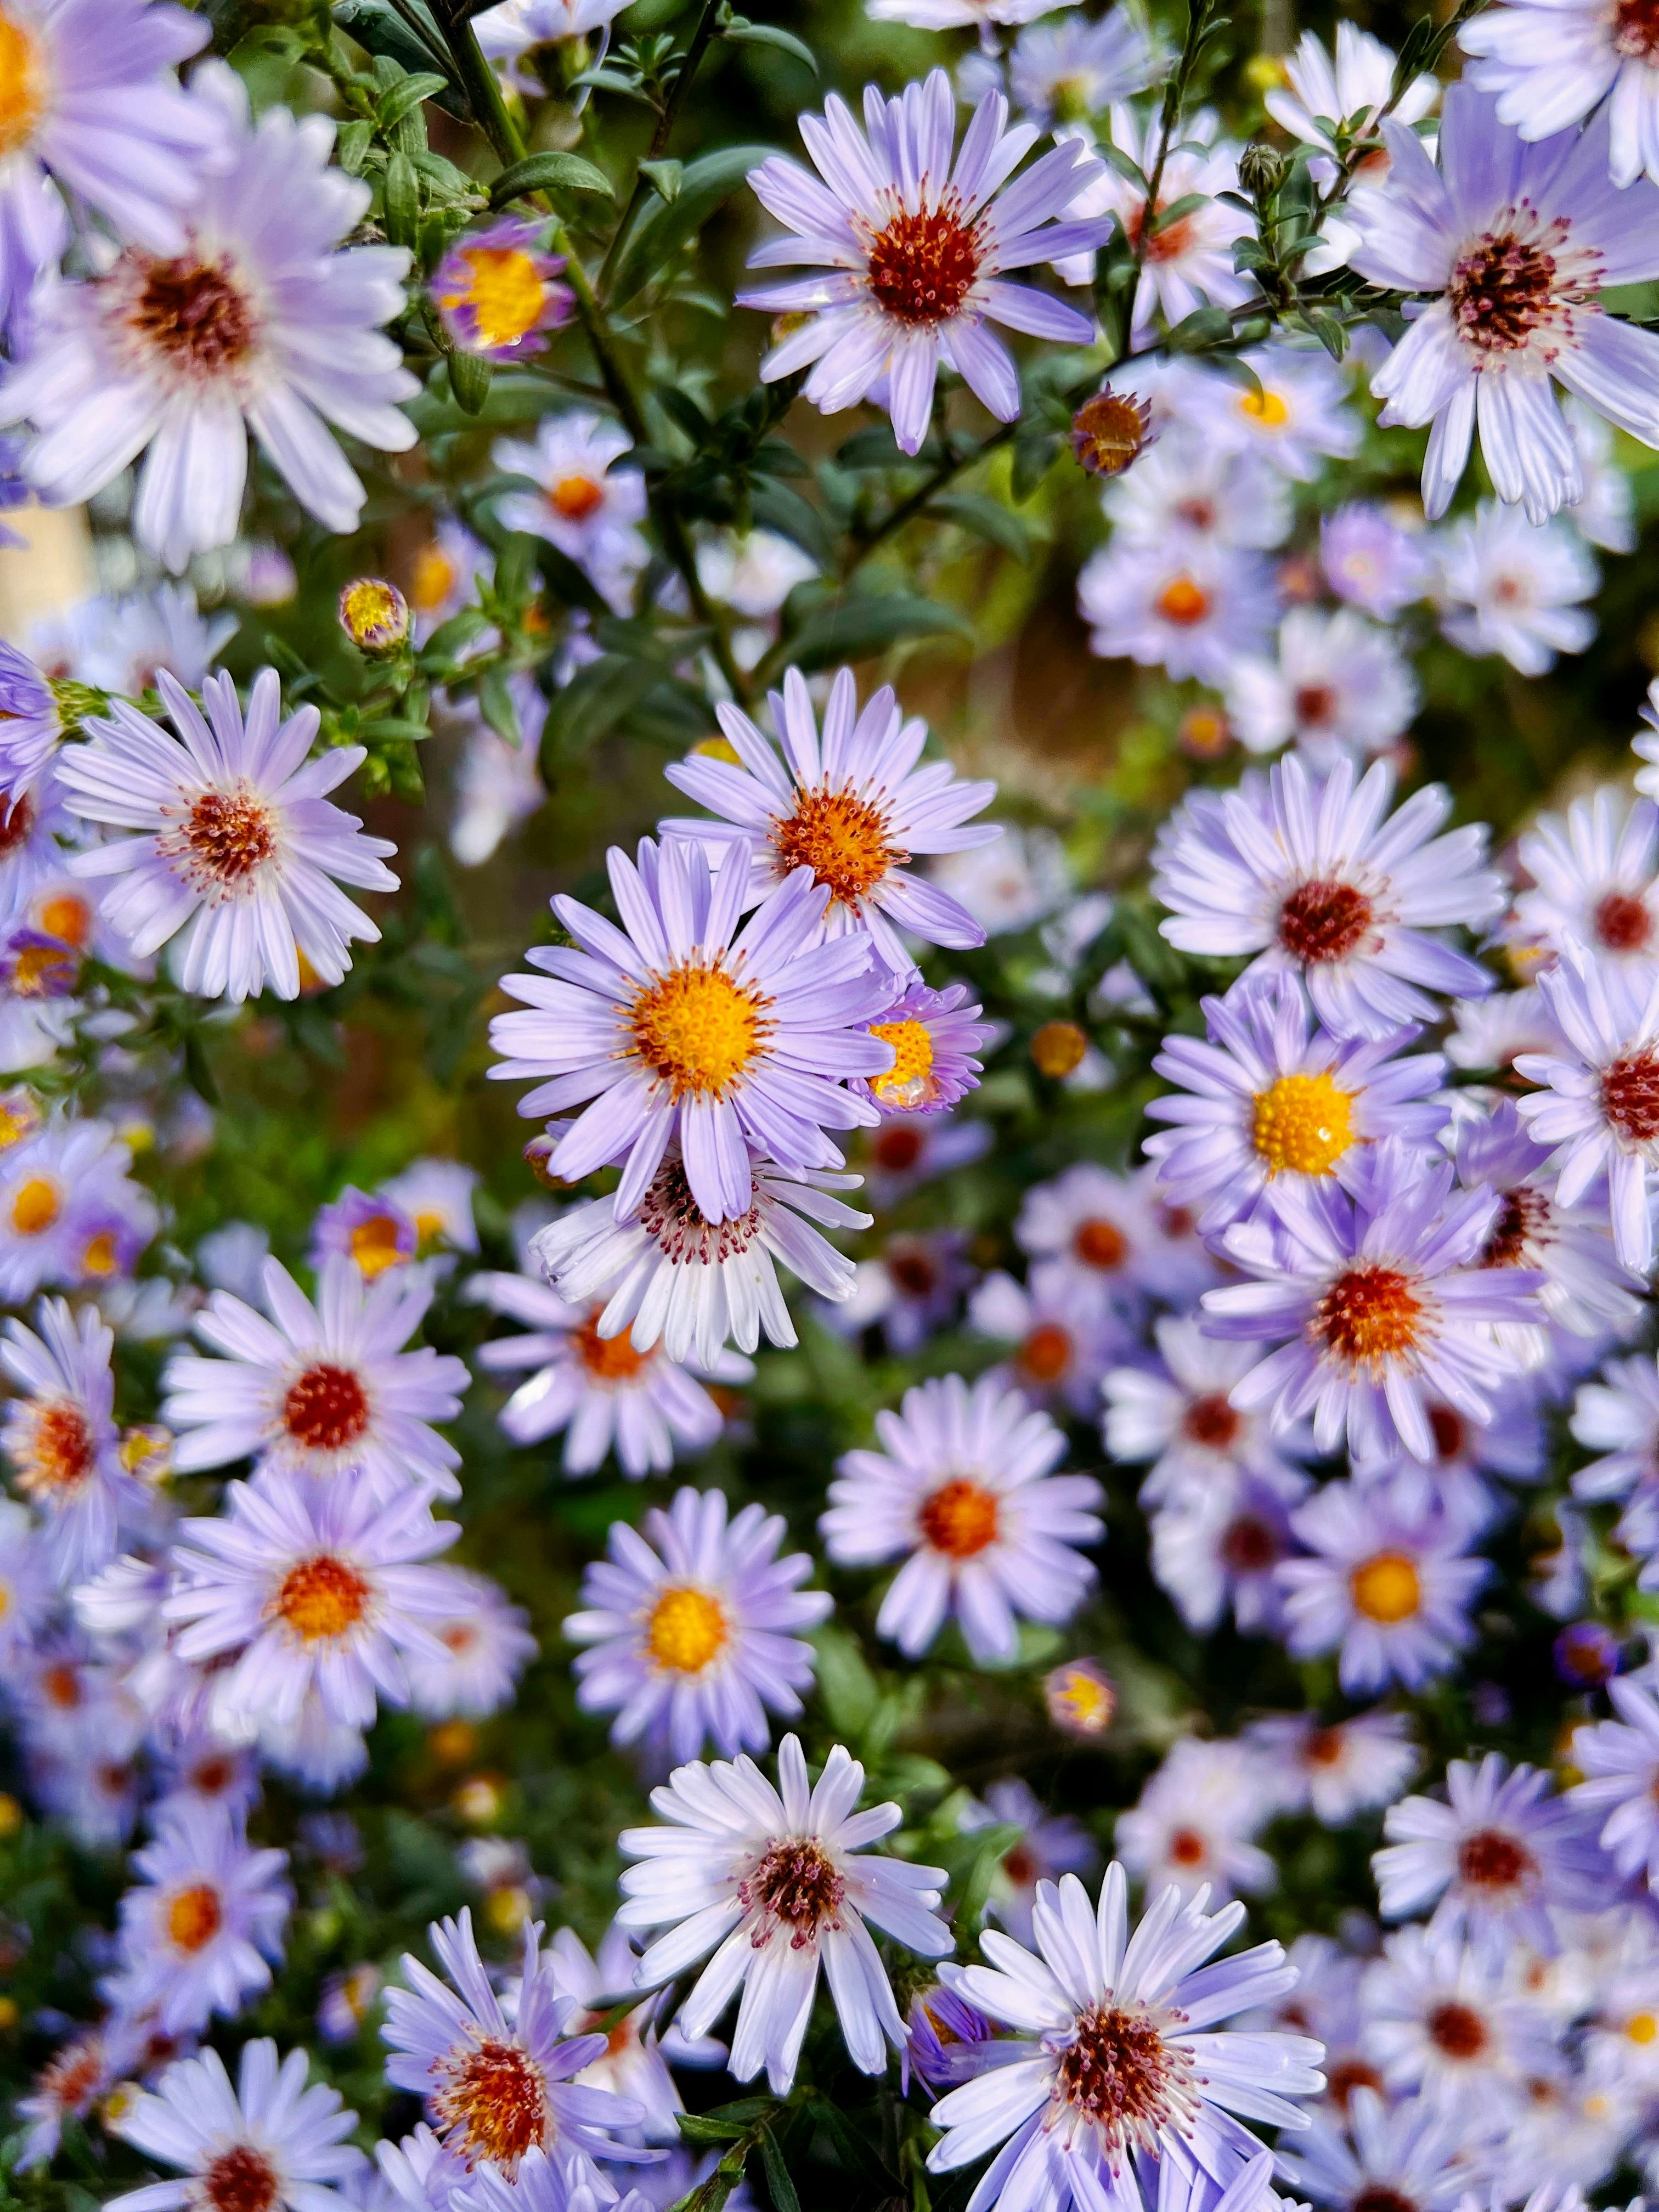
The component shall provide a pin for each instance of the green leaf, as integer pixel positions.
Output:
(1036, 452)
(596, 699)
(396, 103)
(848, 1689)
(1178, 211)
(777, 507)
(860, 627)
(985, 518)
(663, 228)
(469, 379)
(665, 179)
(549, 173)
(994, 1845)
(403, 201)
(779, 2187)
(352, 145)
(699, 2127)
(454, 637)
(496, 705)
(1197, 333)
(741, 33)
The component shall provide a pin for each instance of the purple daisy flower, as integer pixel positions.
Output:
(698, 1637)
(499, 293)
(1376, 1295)
(1096, 2005)
(30, 729)
(268, 2141)
(373, 1233)
(1272, 1099)
(935, 1036)
(851, 804)
(1620, 1761)
(1516, 243)
(204, 1920)
(913, 250)
(1311, 873)
(680, 1025)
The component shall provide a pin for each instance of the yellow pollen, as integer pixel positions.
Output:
(698, 1030)
(959, 1518)
(374, 613)
(1304, 1123)
(1386, 1588)
(1264, 407)
(374, 1245)
(99, 1257)
(843, 839)
(430, 1229)
(19, 1119)
(321, 1599)
(434, 579)
(909, 1081)
(687, 1629)
(38, 967)
(1184, 602)
(22, 86)
(1642, 2027)
(36, 1206)
(67, 918)
(505, 291)
(574, 498)
(194, 1916)
(1089, 1702)
(719, 749)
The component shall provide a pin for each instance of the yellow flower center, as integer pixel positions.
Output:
(374, 1245)
(373, 612)
(1264, 407)
(687, 1629)
(193, 1916)
(18, 1119)
(1386, 1587)
(909, 1081)
(1642, 2027)
(39, 969)
(434, 579)
(36, 1206)
(1304, 1123)
(698, 1030)
(719, 749)
(99, 1257)
(959, 1518)
(321, 1599)
(505, 291)
(22, 85)
(1086, 1700)
(843, 839)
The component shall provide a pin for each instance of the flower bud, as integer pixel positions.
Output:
(1080, 1697)
(374, 614)
(1058, 1048)
(1260, 169)
(1110, 431)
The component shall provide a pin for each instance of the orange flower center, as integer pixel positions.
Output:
(322, 1599)
(959, 1518)
(687, 1630)
(843, 839)
(1184, 602)
(1368, 1316)
(196, 314)
(608, 1358)
(574, 498)
(194, 1916)
(240, 2179)
(59, 1452)
(326, 1408)
(1100, 1244)
(229, 835)
(23, 89)
(1386, 1587)
(495, 2101)
(36, 1206)
(922, 265)
(699, 1029)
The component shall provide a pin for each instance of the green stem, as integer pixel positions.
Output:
(659, 137)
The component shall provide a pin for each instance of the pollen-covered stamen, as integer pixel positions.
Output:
(1119, 2075)
(24, 90)
(322, 1599)
(326, 1408)
(796, 1885)
(1302, 1123)
(1497, 1863)
(909, 1082)
(699, 1029)
(58, 1453)
(226, 837)
(492, 2104)
(240, 2179)
(923, 263)
(194, 1918)
(1629, 1096)
(1636, 30)
(1623, 923)
(1519, 282)
(686, 1631)
(1368, 1316)
(1324, 920)
(959, 1518)
(193, 312)
(842, 838)
(1524, 1219)
(682, 1233)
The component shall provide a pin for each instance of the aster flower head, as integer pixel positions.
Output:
(776, 1883)
(310, 1591)
(1375, 1303)
(1499, 1860)
(1117, 2077)
(1058, 1348)
(583, 502)
(69, 1213)
(1408, 2156)
(61, 1442)
(1334, 1770)
(682, 1025)
(1548, 67)
(486, 1645)
(499, 293)
(1068, 69)
(1099, 1238)
(31, 729)
(850, 804)
(1513, 588)
(600, 1390)
(132, 640)
(1195, 489)
(1443, 2021)
(1295, 414)
(963, 1491)
(1599, 1107)
(1217, 1549)
(1620, 1761)
(1191, 608)
(1350, 83)
(693, 1628)
(1311, 873)
(1618, 1417)
(1272, 1100)
(235, 843)
(1180, 1415)
(94, 104)
(914, 251)
(1386, 1584)
(1370, 560)
(1594, 877)
(27, 1586)
(372, 1233)
(1186, 262)
(258, 323)
(1517, 243)
(935, 1037)
(1048, 1846)
(499, 2090)
(267, 2144)
(320, 1387)
(201, 1923)
(1194, 1827)
(1334, 681)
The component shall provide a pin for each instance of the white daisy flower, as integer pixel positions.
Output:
(1311, 873)
(752, 571)
(1218, 1548)
(1406, 2157)
(1510, 586)
(781, 1883)
(1296, 415)
(1190, 608)
(1116, 2084)
(635, 2062)
(694, 1628)
(583, 503)
(1014, 883)
(203, 1923)
(130, 641)
(1371, 561)
(909, 250)
(1550, 62)
(269, 2144)
(1194, 1826)
(1057, 1350)
(61, 1442)
(600, 1390)
(259, 324)
(1600, 1105)
(308, 1591)
(1517, 245)
(963, 1489)
(1180, 1415)
(1335, 681)
(1100, 1238)
(1335, 1770)
(515, 31)
(1187, 263)
(672, 1275)
(1443, 2023)
(1594, 877)
(69, 1213)
(852, 804)
(486, 1645)
(961, 14)
(1187, 486)
(1352, 85)
(1620, 1761)
(321, 1388)
(437, 1196)
(1069, 69)
(236, 844)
